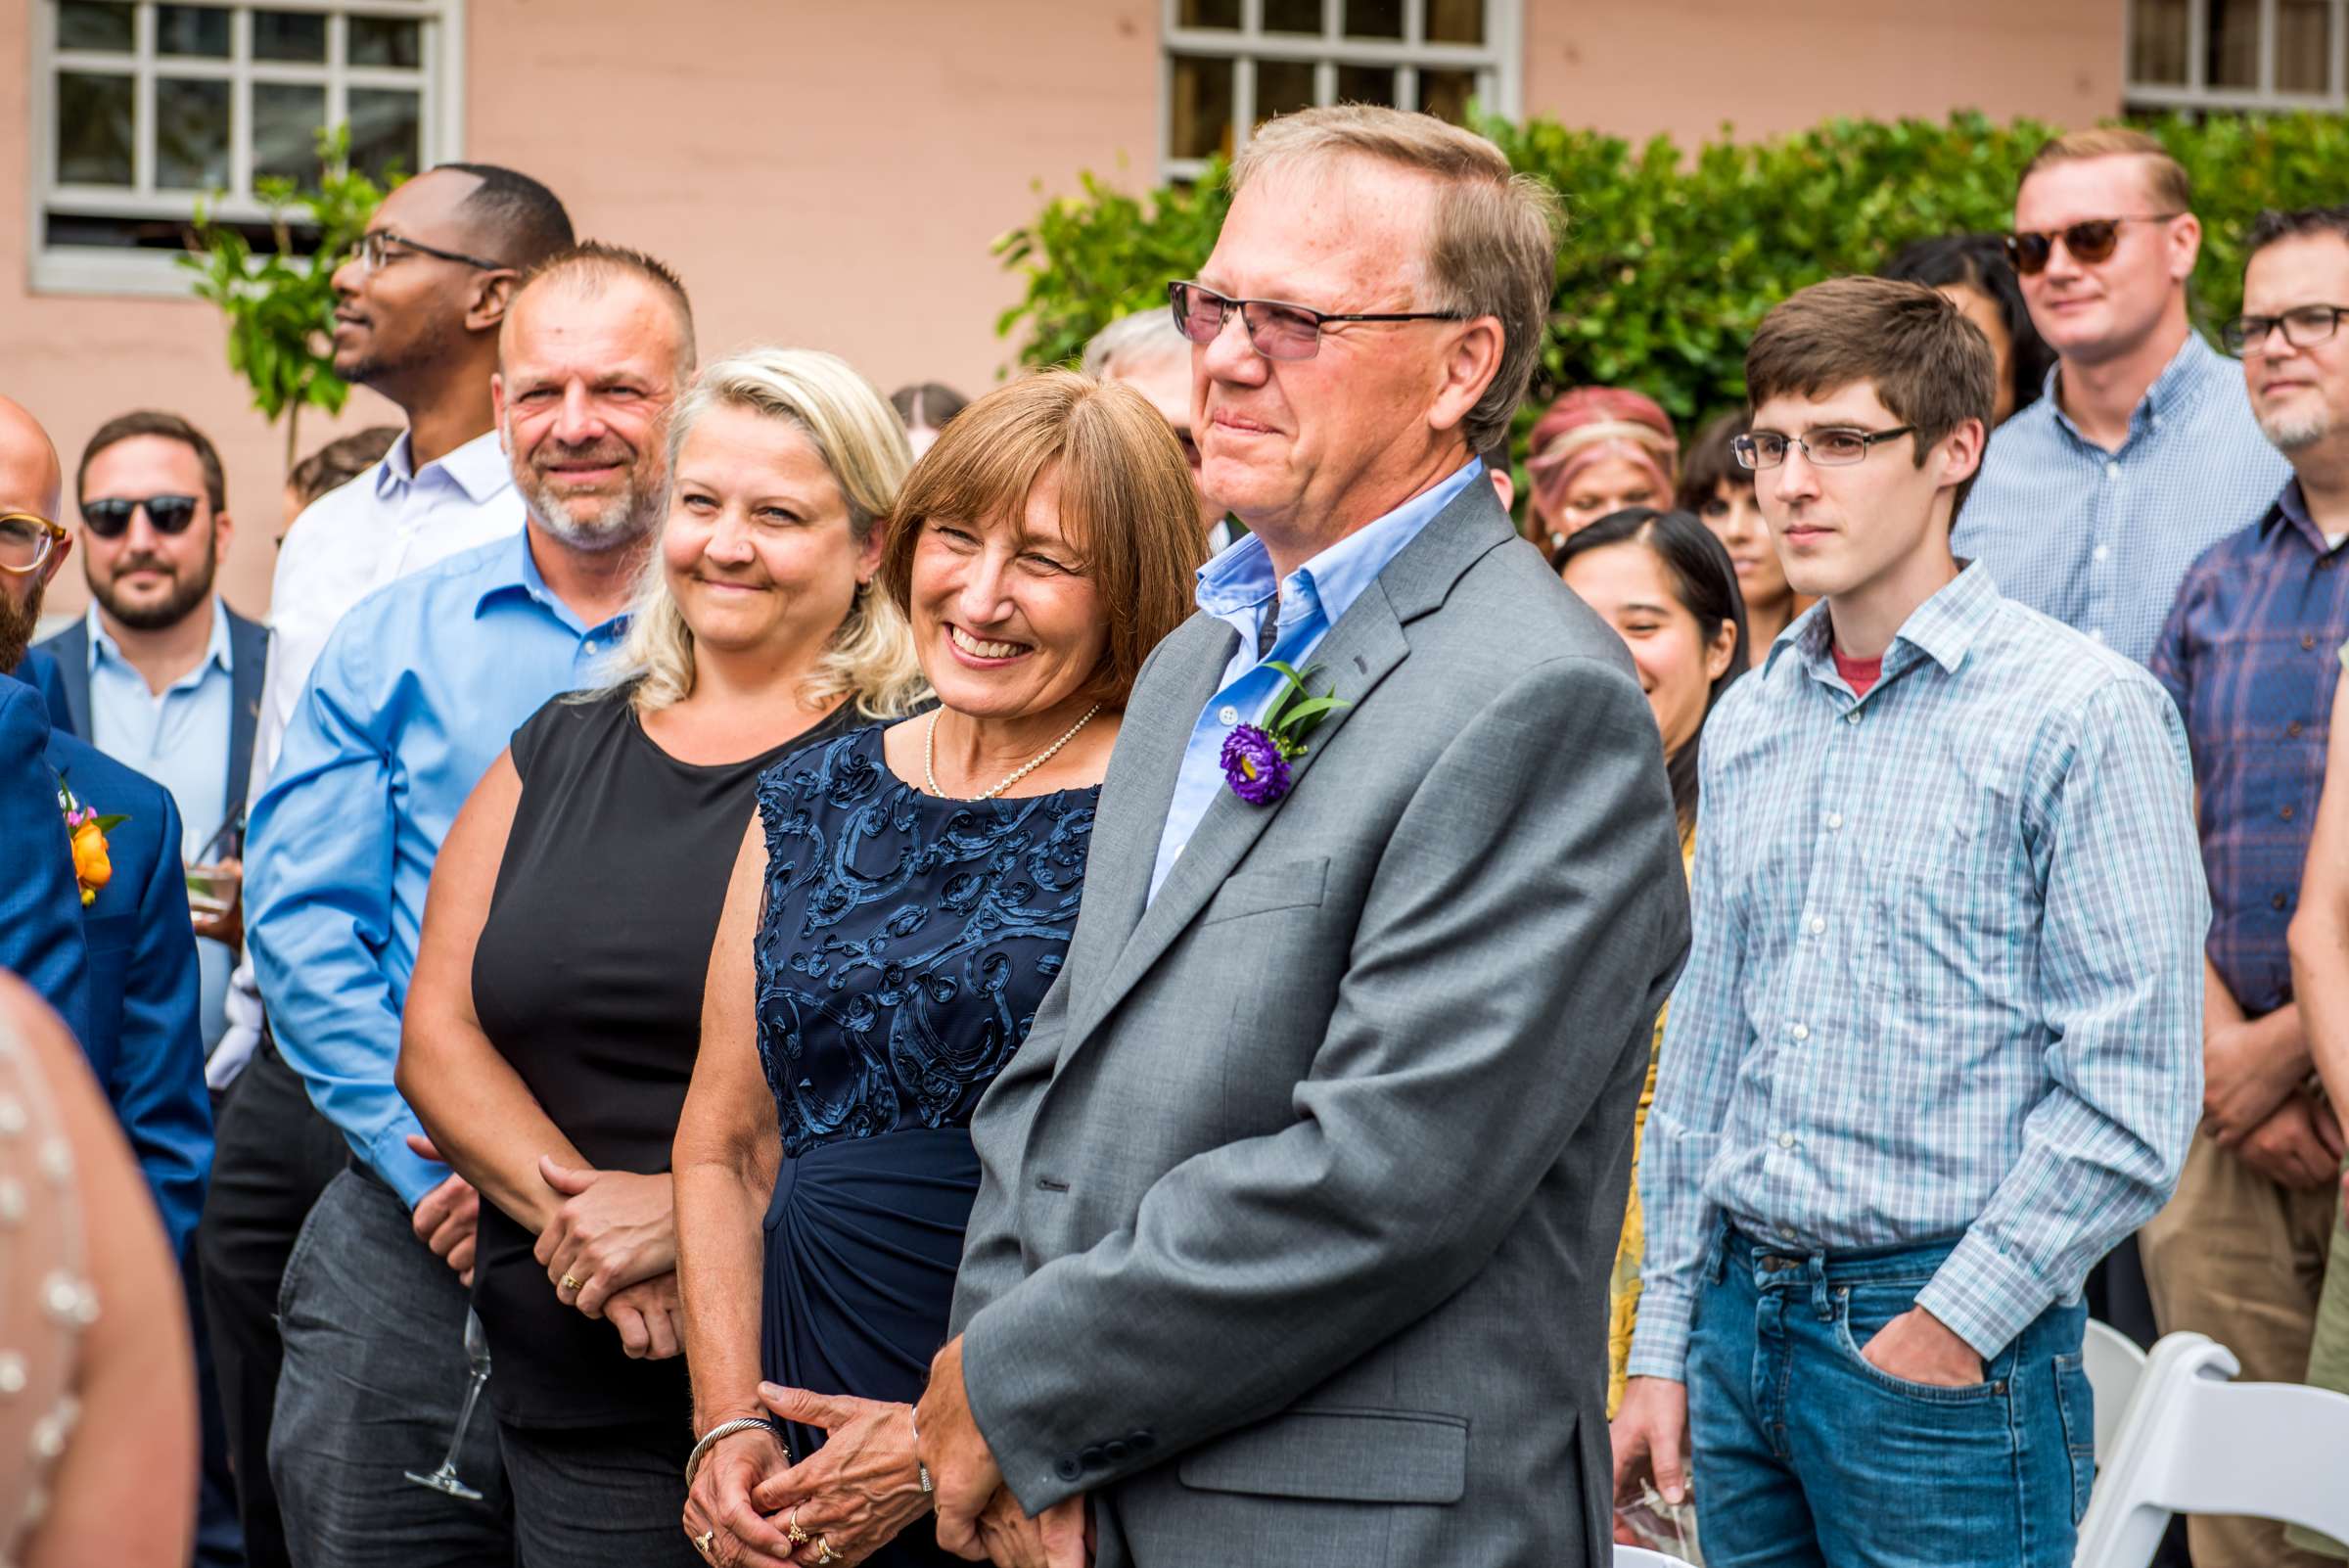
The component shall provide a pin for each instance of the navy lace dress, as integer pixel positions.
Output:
(904, 944)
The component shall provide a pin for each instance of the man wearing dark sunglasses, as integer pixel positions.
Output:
(2141, 452)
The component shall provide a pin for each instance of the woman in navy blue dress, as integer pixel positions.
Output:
(903, 899)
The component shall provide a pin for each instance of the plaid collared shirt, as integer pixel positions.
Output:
(1947, 973)
(2249, 655)
(2100, 539)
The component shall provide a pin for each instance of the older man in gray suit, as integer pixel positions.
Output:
(1300, 1201)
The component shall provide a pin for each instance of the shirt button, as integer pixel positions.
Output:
(1785, 1140)
(2307, 640)
(1227, 714)
(2293, 728)
(2112, 471)
(1834, 822)
(1818, 925)
(2286, 813)
(2096, 634)
(1852, 717)
(1799, 1032)
(1787, 1231)
(590, 645)
(2102, 552)
(2277, 902)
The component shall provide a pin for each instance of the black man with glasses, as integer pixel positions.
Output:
(2141, 452)
(417, 310)
(2251, 656)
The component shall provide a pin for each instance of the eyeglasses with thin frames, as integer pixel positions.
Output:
(2090, 241)
(2304, 327)
(27, 539)
(1822, 448)
(379, 247)
(1276, 328)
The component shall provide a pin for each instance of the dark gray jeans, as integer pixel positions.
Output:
(374, 1332)
(600, 1497)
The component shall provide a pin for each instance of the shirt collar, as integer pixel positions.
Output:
(477, 468)
(2291, 514)
(217, 648)
(1241, 577)
(1943, 629)
(2173, 392)
(514, 571)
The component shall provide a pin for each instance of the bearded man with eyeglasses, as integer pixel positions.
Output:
(2141, 452)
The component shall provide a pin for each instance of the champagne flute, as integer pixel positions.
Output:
(476, 1357)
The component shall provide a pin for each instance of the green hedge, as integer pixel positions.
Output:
(1671, 259)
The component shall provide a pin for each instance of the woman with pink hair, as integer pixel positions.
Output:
(1597, 451)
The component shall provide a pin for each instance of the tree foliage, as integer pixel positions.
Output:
(1671, 258)
(279, 302)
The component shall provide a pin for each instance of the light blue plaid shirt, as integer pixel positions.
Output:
(1947, 972)
(2101, 539)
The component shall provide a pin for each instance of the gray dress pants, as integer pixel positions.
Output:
(374, 1326)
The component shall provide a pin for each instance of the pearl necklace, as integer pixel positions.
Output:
(929, 745)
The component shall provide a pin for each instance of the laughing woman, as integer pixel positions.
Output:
(902, 901)
(552, 1025)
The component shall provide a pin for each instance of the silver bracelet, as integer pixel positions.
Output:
(726, 1429)
(912, 1420)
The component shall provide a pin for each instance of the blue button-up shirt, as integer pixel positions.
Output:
(416, 693)
(2100, 539)
(2248, 656)
(1947, 973)
(179, 738)
(1238, 588)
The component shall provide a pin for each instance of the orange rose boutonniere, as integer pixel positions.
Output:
(86, 831)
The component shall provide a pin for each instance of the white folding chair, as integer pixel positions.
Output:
(2194, 1441)
(2114, 1366)
(1642, 1558)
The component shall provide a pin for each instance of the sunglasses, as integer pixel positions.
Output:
(109, 518)
(2088, 243)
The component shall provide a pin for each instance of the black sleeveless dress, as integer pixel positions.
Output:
(589, 978)
(904, 946)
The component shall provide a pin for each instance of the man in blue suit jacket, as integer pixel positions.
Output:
(41, 909)
(140, 1028)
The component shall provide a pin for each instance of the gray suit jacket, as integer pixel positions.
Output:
(1301, 1199)
(248, 660)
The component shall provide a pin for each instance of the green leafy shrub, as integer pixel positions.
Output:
(280, 302)
(1668, 259)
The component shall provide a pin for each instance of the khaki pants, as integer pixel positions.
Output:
(2329, 1356)
(2239, 1258)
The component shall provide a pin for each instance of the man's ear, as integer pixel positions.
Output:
(2185, 245)
(497, 407)
(224, 530)
(1468, 368)
(493, 293)
(1961, 452)
(57, 559)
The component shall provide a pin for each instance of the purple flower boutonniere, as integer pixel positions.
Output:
(1257, 757)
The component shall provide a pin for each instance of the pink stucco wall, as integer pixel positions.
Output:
(832, 175)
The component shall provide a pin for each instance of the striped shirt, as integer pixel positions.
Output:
(2100, 539)
(1947, 972)
(2248, 657)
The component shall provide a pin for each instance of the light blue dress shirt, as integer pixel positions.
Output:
(416, 691)
(1236, 587)
(179, 738)
(1946, 976)
(2101, 539)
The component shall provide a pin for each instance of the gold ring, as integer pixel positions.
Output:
(700, 1543)
(569, 1283)
(823, 1550)
(792, 1530)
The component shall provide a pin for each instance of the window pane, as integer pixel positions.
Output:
(289, 35)
(1208, 14)
(384, 131)
(1445, 93)
(93, 128)
(1200, 110)
(1282, 87)
(190, 134)
(198, 32)
(2157, 45)
(1460, 22)
(386, 41)
(2234, 59)
(2303, 45)
(85, 25)
(1293, 15)
(286, 117)
(1365, 84)
(1373, 18)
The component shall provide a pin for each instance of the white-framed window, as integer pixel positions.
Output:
(143, 108)
(2236, 55)
(1229, 65)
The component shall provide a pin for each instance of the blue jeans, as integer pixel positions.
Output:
(1805, 1453)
